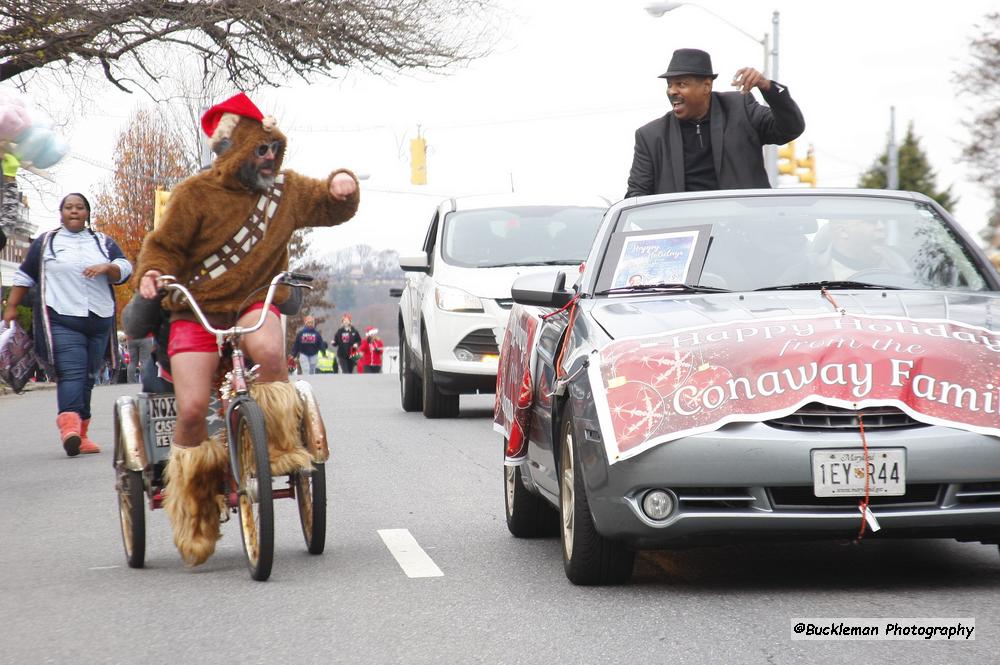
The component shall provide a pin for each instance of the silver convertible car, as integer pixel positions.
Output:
(754, 364)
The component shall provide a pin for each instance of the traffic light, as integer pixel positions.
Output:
(807, 168)
(786, 159)
(804, 169)
(418, 161)
(159, 203)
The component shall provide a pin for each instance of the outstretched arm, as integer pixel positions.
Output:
(321, 202)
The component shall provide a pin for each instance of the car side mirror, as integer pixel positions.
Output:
(542, 290)
(415, 263)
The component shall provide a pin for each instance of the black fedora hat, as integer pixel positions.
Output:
(692, 61)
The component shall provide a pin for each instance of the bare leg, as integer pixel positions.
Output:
(192, 372)
(266, 347)
(276, 396)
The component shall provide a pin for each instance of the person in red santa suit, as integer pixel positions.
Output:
(371, 351)
(224, 234)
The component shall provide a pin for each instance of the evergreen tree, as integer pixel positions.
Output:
(915, 173)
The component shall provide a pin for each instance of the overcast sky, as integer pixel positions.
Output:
(556, 105)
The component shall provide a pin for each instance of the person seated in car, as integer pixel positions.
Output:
(845, 248)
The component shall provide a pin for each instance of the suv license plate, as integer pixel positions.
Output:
(841, 472)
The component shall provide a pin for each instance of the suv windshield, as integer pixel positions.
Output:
(522, 235)
(789, 242)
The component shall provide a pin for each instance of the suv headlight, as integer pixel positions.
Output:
(456, 300)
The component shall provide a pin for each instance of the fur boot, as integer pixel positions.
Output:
(193, 501)
(69, 431)
(86, 445)
(282, 409)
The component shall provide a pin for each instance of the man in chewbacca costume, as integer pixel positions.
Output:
(224, 233)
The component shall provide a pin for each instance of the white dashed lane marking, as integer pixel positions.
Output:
(408, 553)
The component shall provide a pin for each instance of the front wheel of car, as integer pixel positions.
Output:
(588, 558)
(528, 515)
(410, 397)
(436, 403)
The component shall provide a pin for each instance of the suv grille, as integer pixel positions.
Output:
(816, 416)
(481, 342)
(803, 497)
(505, 303)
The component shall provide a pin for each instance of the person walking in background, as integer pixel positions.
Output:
(347, 339)
(326, 361)
(308, 343)
(140, 351)
(711, 140)
(371, 351)
(74, 269)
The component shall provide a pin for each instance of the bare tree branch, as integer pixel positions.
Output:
(257, 42)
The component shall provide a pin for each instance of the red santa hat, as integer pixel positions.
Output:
(218, 122)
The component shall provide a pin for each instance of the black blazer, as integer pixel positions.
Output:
(740, 127)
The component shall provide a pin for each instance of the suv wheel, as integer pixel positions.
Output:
(410, 390)
(436, 403)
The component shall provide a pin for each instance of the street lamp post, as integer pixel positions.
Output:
(658, 9)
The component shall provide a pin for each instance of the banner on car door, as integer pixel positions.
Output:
(512, 408)
(695, 380)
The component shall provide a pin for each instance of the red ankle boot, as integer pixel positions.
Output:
(69, 431)
(86, 445)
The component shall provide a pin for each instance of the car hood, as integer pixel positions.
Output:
(651, 315)
(495, 283)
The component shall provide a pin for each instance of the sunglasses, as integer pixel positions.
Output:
(271, 147)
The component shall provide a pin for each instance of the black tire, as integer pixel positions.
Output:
(248, 449)
(410, 391)
(436, 403)
(310, 494)
(131, 509)
(588, 558)
(528, 515)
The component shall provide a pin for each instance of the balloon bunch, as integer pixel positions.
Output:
(27, 134)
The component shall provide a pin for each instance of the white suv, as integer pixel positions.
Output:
(454, 308)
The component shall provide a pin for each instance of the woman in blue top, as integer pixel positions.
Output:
(74, 269)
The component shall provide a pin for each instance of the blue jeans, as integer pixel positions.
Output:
(306, 361)
(79, 344)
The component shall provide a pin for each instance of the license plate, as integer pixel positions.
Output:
(841, 472)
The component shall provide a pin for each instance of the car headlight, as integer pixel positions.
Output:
(456, 300)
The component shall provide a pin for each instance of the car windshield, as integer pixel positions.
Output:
(519, 235)
(787, 242)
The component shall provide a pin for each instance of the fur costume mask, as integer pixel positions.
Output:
(237, 152)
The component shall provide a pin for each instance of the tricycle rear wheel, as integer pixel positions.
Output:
(133, 517)
(310, 493)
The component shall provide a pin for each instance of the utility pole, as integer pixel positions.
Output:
(771, 151)
(892, 172)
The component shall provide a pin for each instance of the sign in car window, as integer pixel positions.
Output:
(695, 380)
(663, 258)
(675, 256)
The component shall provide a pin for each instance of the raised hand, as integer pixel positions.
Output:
(748, 78)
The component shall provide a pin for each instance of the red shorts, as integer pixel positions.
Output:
(190, 337)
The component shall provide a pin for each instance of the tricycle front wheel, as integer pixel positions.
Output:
(253, 478)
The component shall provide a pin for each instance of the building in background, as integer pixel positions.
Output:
(16, 224)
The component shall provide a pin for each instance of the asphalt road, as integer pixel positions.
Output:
(66, 595)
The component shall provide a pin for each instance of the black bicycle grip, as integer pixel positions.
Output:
(300, 277)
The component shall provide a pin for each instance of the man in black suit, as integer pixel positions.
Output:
(711, 140)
